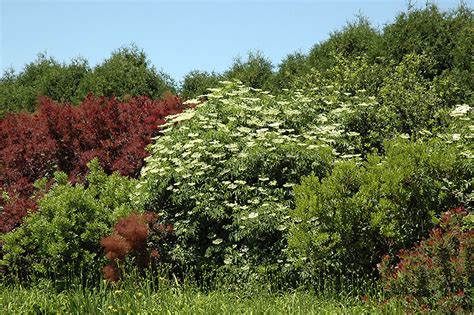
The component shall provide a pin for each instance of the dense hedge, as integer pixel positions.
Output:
(444, 37)
(352, 156)
(351, 218)
(223, 175)
(62, 238)
(65, 138)
(127, 72)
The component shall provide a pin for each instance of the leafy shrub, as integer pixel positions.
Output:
(65, 138)
(410, 98)
(44, 76)
(328, 235)
(444, 36)
(62, 237)
(222, 175)
(356, 39)
(348, 75)
(292, 67)
(438, 273)
(256, 71)
(393, 99)
(132, 236)
(361, 211)
(127, 72)
(196, 83)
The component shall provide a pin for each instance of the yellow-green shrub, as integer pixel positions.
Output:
(62, 237)
(348, 220)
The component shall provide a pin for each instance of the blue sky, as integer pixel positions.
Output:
(178, 36)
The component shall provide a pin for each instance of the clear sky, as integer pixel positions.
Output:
(178, 36)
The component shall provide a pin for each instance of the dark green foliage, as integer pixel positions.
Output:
(447, 37)
(349, 219)
(403, 100)
(290, 68)
(127, 72)
(355, 39)
(256, 71)
(62, 237)
(197, 82)
(348, 75)
(44, 76)
(410, 98)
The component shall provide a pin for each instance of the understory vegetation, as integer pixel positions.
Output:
(340, 182)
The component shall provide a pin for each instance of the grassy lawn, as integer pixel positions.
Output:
(45, 298)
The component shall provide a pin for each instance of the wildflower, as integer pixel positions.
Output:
(253, 215)
(217, 241)
(460, 110)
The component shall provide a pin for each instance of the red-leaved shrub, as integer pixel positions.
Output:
(137, 235)
(61, 137)
(437, 274)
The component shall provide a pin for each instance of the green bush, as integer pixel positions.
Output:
(361, 211)
(222, 175)
(289, 70)
(410, 97)
(256, 71)
(356, 39)
(444, 36)
(393, 99)
(197, 83)
(44, 76)
(62, 237)
(127, 72)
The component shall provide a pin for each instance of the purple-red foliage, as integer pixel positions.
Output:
(61, 137)
(130, 237)
(437, 274)
(134, 229)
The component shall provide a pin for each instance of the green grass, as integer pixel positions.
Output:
(172, 298)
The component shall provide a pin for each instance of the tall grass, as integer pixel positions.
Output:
(155, 295)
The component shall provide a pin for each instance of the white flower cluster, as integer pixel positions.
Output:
(238, 156)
